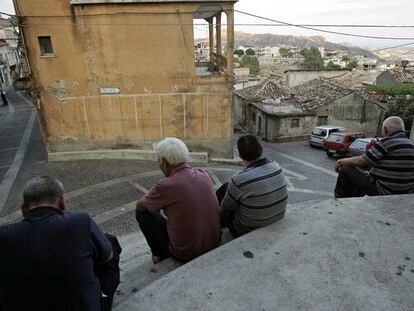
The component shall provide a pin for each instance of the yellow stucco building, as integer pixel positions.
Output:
(122, 73)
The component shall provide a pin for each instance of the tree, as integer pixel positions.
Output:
(239, 53)
(285, 52)
(404, 108)
(331, 65)
(313, 59)
(250, 52)
(252, 63)
(404, 103)
(352, 64)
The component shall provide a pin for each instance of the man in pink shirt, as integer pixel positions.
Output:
(187, 197)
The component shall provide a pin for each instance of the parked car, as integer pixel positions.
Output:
(339, 142)
(360, 146)
(321, 133)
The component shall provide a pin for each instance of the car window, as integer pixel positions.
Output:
(336, 138)
(319, 132)
(359, 144)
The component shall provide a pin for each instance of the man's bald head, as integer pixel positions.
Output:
(392, 125)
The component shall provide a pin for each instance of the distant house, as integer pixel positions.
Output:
(276, 113)
(294, 78)
(396, 76)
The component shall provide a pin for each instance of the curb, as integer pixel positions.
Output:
(124, 154)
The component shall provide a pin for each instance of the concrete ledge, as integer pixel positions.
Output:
(351, 254)
(119, 154)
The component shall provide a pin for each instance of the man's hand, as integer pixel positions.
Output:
(140, 207)
(338, 166)
(357, 161)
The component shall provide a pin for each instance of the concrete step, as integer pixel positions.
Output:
(350, 254)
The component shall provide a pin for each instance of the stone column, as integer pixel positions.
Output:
(211, 36)
(218, 33)
(230, 43)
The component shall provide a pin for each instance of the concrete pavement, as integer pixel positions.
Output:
(349, 254)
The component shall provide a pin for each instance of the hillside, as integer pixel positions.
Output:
(242, 38)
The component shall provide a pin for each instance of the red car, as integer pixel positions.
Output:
(339, 142)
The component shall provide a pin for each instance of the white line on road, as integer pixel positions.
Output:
(120, 210)
(306, 163)
(216, 180)
(10, 176)
(294, 174)
(138, 186)
(28, 102)
(329, 194)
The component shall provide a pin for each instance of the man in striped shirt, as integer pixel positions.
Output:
(392, 161)
(255, 197)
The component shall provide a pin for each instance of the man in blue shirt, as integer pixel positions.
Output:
(47, 260)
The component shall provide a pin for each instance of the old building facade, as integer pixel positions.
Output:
(276, 113)
(122, 73)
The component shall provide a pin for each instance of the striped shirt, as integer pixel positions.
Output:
(257, 195)
(392, 160)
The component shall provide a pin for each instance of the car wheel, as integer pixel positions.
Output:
(312, 146)
(329, 154)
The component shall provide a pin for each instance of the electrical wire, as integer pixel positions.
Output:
(279, 23)
(322, 30)
(392, 47)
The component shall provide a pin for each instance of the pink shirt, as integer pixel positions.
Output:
(190, 204)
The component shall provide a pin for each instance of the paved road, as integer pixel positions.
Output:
(107, 189)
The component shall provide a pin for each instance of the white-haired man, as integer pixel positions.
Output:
(187, 197)
(392, 161)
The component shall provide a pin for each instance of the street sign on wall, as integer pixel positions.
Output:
(109, 90)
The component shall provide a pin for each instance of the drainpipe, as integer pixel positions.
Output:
(16, 8)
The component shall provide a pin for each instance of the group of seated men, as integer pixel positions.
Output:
(58, 260)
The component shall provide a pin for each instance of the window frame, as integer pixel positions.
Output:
(43, 52)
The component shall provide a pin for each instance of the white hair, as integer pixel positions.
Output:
(394, 124)
(173, 150)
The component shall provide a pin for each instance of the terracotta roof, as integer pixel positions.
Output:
(317, 93)
(268, 89)
(354, 79)
(402, 76)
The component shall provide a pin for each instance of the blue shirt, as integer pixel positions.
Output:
(47, 261)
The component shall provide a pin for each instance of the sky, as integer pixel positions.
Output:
(384, 12)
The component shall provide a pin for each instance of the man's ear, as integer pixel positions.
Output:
(61, 204)
(24, 209)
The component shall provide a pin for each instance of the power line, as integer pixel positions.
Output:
(279, 23)
(393, 47)
(322, 30)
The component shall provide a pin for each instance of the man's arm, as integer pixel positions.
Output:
(358, 161)
(102, 247)
(230, 200)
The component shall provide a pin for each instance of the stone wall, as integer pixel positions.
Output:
(294, 78)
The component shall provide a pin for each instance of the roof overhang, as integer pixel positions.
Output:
(146, 1)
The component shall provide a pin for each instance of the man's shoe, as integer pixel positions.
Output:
(156, 259)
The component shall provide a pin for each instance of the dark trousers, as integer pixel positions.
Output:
(226, 217)
(109, 275)
(353, 182)
(154, 228)
(4, 99)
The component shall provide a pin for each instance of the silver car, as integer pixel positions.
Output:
(360, 146)
(320, 133)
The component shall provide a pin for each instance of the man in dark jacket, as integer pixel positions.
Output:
(48, 259)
